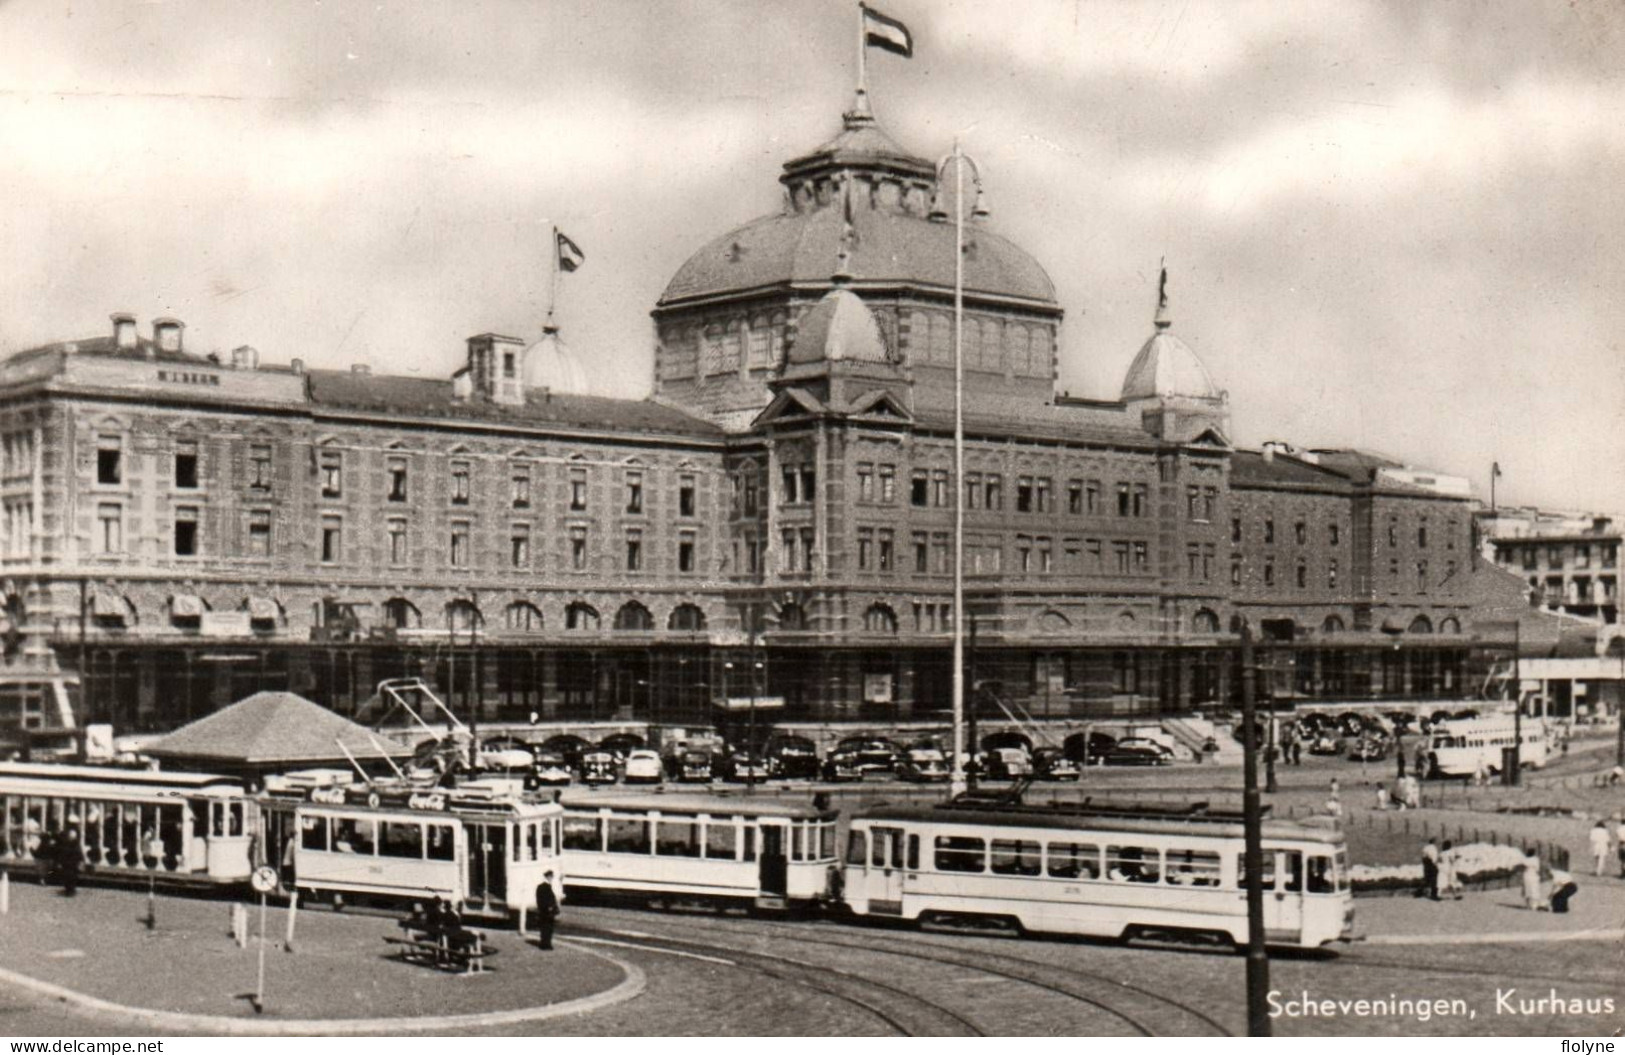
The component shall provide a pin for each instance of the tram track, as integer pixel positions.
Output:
(1149, 1018)
(910, 1014)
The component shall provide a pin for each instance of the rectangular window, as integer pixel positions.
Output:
(1072, 860)
(397, 540)
(583, 833)
(519, 488)
(1210, 503)
(1044, 495)
(634, 551)
(109, 460)
(1332, 533)
(960, 853)
(1303, 575)
(459, 483)
(1193, 502)
(677, 838)
(397, 480)
(751, 494)
(1422, 534)
(884, 549)
(888, 484)
(110, 527)
(1016, 857)
(400, 839)
(939, 544)
(922, 553)
(792, 485)
(332, 474)
(259, 533)
(919, 488)
(1074, 497)
(1046, 554)
(459, 544)
(186, 466)
(1133, 864)
(1300, 532)
(993, 490)
(1091, 497)
(186, 540)
(1331, 575)
(685, 551)
(1125, 499)
(1235, 571)
(332, 539)
(1142, 561)
(578, 548)
(686, 496)
(1024, 494)
(1193, 868)
(355, 835)
(721, 839)
(1120, 555)
(753, 554)
(807, 539)
(1269, 572)
(634, 492)
(578, 490)
(788, 539)
(313, 834)
(866, 482)
(1097, 559)
(973, 490)
(627, 835)
(1269, 529)
(519, 546)
(1235, 529)
(259, 467)
(866, 542)
(809, 484)
(1024, 552)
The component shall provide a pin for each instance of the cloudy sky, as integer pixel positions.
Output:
(1392, 226)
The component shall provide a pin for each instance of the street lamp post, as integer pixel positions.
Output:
(959, 160)
(1516, 777)
(1258, 964)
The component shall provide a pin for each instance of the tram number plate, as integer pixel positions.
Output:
(264, 879)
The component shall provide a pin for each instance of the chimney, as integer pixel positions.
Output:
(124, 337)
(166, 333)
(245, 358)
(360, 368)
(298, 366)
(1269, 453)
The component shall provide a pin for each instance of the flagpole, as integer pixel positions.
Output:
(863, 62)
(553, 281)
(958, 771)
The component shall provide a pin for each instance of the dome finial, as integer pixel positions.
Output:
(1163, 318)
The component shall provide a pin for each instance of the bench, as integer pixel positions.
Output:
(467, 951)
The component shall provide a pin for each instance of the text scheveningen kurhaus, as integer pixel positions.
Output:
(1422, 1009)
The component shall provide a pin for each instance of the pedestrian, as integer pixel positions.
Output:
(69, 856)
(1563, 888)
(547, 911)
(1382, 797)
(1419, 764)
(1335, 787)
(1598, 841)
(1449, 883)
(1531, 883)
(1334, 806)
(1297, 751)
(1619, 843)
(1413, 792)
(1430, 872)
(1481, 773)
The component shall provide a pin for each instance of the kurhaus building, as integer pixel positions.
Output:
(774, 521)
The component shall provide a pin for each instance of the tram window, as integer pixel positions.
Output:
(960, 853)
(236, 817)
(750, 841)
(721, 839)
(913, 853)
(826, 843)
(1133, 864)
(857, 848)
(1293, 872)
(678, 838)
(1342, 874)
(1268, 878)
(313, 833)
(798, 841)
(355, 835)
(442, 843)
(1074, 860)
(401, 839)
(583, 833)
(1193, 868)
(533, 840)
(1017, 857)
(628, 835)
(1321, 876)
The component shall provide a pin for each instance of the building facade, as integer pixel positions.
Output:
(775, 522)
(1570, 560)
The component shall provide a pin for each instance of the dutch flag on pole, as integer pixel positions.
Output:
(887, 34)
(570, 254)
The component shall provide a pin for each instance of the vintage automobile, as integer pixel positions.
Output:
(621, 744)
(923, 765)
(1051, 763)
(792, 758)
(599, 767)
(690, 765)
(551, 770)
(844, 763)
(1006, 763)
(1369, 749)
(741, 766)
(569, 747)
(642, 766)
(1137, 752)
(873, 753)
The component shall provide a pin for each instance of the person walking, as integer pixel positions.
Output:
(1598, 841)
(547, 911)
(69, 856)
(1619, 842)
(1449, 882)
(1430, 872)
(1531, 883)
(1563, 888)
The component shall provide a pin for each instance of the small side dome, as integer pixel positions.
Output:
(550, 364)
(840, 326)
(1166, 366)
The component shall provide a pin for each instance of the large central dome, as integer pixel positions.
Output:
(863, 188)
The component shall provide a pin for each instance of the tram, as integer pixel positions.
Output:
(1460, 747)
(133, 824)
(714, 849)
(1118, 872)
(475, 845)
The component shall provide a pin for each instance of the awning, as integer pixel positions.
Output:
(186, 606)
(109, 606)
(263, 609)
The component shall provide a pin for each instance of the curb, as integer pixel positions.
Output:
(1507, 937)
(174, 1022)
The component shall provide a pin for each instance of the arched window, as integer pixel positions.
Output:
(1204, 622)
(880, 619)
(1420, 625)
(1125, 622)
(1449, 625)
(686, 617)
(581, 616)
(401, 614)
(1333, 624)
(633, 616)
(522, 615)
(1053, 622)
(463, 615)
(792, 616)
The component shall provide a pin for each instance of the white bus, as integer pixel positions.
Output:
(1458, 748)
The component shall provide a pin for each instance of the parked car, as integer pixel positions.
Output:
(1006, 763)
(741, 766)
(792, 758)
(551, 770)
(691, 765)
(622, 744)
(1369, 749)
(1325, 744)
(1008, 738)
(843, 763)
(1051, 763)
(1149, 744)
(569, 746)
(923, 765)
(599, 767)
(1088, 749)
(1137, 752)
(642, 766)
(874, 753)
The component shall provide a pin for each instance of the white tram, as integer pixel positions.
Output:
(1114, 872)
(477, 847)
(716, 848)
(132, 823)
(1457, 748)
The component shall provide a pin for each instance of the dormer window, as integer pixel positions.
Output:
(509, 369)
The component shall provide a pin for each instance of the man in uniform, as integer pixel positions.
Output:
(547, 911)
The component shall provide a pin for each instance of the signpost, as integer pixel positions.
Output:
(263, 881)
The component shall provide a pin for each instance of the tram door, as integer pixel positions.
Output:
(487, 864)
(884, 873)
(1283, 907)
(774, 869)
